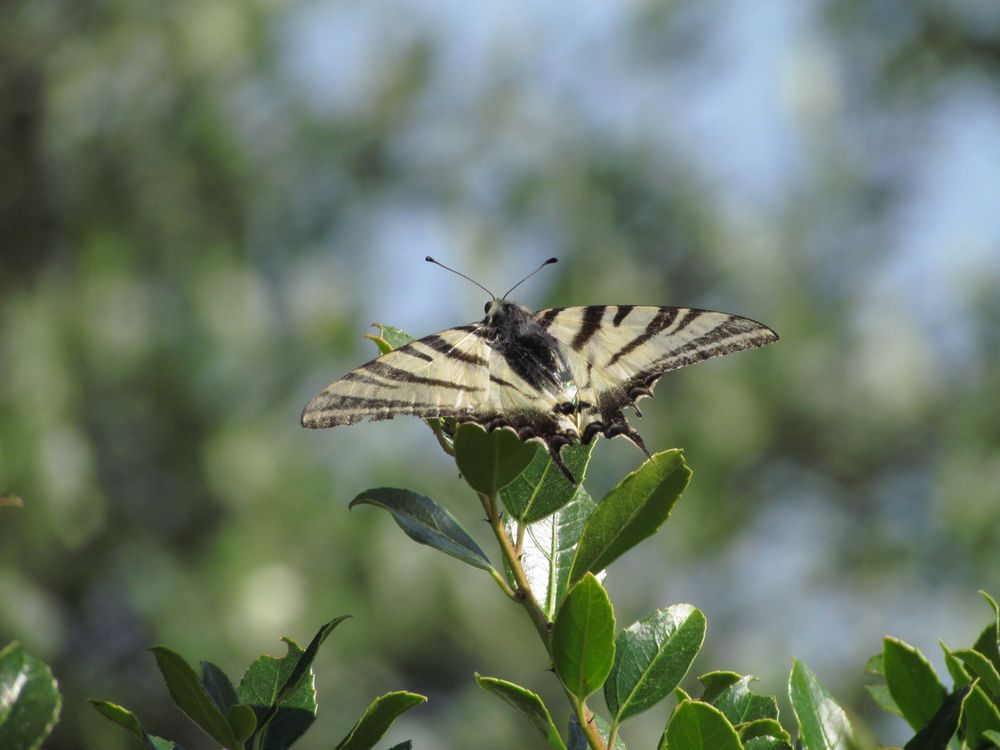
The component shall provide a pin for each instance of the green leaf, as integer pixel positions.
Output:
(130, 723)
(992, 736)
(243, 720)
(189, 694)
(631, 511)
(29, 699)
(548, 550)
(942, 726)
(740, 704)
(426, 522)
(651, 658)
(542, 489)
(763, 728)
(715, 682)
(490, 460)
(875, 665)
(389, 338)
(912, 682)
(305, 660)
(699, 726)
(883, 698)
(405, 745)
(583, 645)
(526, 703)
(823, 725)
(218, 687)
(766, 743)
(979, 716)
(988, 642)
(578, 738)
(377, 719)
(262, 684)
(982, 668)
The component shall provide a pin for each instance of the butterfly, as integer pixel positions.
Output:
(556, 376)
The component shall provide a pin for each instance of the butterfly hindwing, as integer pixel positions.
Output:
(617, 352)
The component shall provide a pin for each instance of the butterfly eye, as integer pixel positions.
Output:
(486, 309)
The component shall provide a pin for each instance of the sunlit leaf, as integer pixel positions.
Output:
(29, 699)
(699, 726)
(912, 682)
(583, 645)
(542, 488)
(823, 725)
(651, 658)
(631, 511)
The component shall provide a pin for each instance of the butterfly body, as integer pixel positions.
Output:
(557, 376)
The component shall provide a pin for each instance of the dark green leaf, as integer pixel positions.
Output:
(578, 738)
(389, 338)
(377, 719)
(542, 489)
(716, 682)
(763, 728)
(884, 700)
(426, 522)
(981, 667)
(189, 694)
(942, 726)
(583, 645)
(29, 699)
(739, 704)
(632, 511)
(490, 460)
(912, 682)
(130, 723)
(405, 745)
(699, 726)
(260, 687)
(243, 720)
(218, 687)
(526, 703)
(304, 663)
(823, 725)
(548, 550)
(651, 658)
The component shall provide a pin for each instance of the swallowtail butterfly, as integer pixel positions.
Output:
(557, 376)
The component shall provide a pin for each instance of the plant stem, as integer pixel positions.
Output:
(526, 597)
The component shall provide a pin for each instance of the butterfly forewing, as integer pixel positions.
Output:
(442, 375)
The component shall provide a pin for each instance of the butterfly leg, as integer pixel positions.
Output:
(555, 445)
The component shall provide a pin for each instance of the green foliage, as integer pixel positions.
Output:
(427, 522)
(912, 689)
(583, 638)
(632, 511)
(700, 726)
(273, 706)
(526, 703)
(29, 699)
(490, 460)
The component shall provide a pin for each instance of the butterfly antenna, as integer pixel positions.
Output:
(550, 260)
(429, 259)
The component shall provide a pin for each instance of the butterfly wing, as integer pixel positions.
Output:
(618, 352)
(445, 374)
(454, 373)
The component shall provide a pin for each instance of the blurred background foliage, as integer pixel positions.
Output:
(203, 206)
